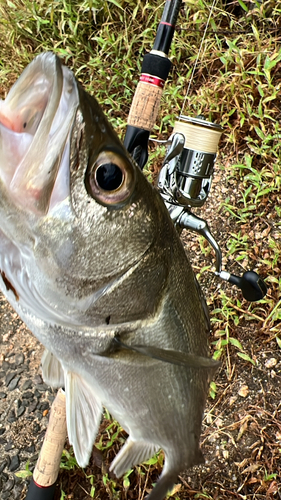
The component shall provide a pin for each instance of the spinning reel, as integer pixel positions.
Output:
(185, 182)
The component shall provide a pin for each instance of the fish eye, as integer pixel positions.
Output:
(109, 176)
(111, 179)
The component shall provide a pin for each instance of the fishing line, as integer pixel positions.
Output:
(198, 55)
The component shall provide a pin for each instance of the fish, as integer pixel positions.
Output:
(92, 263)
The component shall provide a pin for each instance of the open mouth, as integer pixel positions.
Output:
(35, 120)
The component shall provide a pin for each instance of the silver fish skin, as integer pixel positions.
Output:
(92, 263)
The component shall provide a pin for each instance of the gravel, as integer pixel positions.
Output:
(15, 463)
(14, 383)
(25, 401)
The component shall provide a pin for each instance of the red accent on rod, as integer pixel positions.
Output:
(43, 487)
(168, 24)
(153, 80)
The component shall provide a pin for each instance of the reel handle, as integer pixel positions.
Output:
(251, 284)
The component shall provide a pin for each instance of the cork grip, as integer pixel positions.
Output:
(47, 467)
(145, 106)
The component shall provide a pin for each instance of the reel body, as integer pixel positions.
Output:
(185, 182)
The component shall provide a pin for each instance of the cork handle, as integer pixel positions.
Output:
(47, 467)
(145, 106)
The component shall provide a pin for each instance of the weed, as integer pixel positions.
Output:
(110, 435)
(126, 479)
(269, 477)
(228, 315)
(203, 496)
(93, 489)
(213, 390)
(23, 474)
(68, 460)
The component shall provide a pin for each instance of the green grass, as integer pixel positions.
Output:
(236, 83)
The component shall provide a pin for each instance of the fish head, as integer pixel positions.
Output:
(77, 215)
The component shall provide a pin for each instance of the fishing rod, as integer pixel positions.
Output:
(186, 175)
(147, 97)
(43, 482)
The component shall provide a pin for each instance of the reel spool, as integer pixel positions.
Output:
(194, 171)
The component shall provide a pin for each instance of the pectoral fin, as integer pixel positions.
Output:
(52, 371)
(83, 414)
(132, 453)
(175, 357)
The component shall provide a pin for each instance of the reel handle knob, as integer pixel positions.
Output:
(251, 284)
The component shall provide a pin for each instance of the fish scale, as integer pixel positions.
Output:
(98, 273)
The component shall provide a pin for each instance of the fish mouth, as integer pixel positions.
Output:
(35, 123)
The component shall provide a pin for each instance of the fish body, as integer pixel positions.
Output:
(92, 263)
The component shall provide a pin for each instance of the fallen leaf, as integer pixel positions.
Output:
(251, 468)
(270, 363)
(175, 490)
(278, 436)
(242, 429)
(243, 391)
(273, 488)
